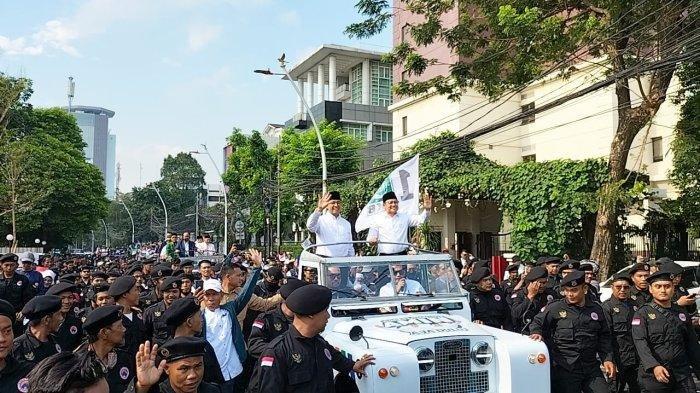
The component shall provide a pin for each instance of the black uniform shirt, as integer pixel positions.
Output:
(17, 290)
(156, 328)
(682, 291)
(523, 310)
(121, 369)
(13, 376)
(70, 334)
(665, 337)
(135, 334)
(164, 387)
(148, 299)
(491, 308)
(266, 328)
(574, 335)
(29, 348)
(507, 286)
(639, 298)
(619, 315)
(294, 363)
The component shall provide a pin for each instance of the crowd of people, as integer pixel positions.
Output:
(172, 318)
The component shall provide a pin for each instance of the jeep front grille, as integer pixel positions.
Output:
(453, 370)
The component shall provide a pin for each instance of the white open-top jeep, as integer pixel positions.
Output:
(423, 338)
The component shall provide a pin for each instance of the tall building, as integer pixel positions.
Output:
(351, 87)
(100, 145)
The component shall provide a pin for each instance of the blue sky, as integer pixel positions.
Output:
(177, 73)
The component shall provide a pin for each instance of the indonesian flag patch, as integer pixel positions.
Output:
(267, 361)
(258, 324)
(636, 321)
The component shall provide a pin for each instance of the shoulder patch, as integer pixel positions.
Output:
(259, 324)
(636, 321)
(23, 385)
(267, 361)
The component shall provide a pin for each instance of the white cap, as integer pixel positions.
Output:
(212, 284)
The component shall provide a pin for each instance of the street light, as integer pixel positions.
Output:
(223, 186)
(164, 208)
(132, 221)
(106, 234)
(283, 65)
(37, 241)
(9, 239)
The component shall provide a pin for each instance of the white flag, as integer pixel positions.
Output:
(404, 181)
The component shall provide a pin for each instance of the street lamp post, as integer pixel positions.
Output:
(283, 65)
(106, 234)
(133, 227)
(164, 209)
(223, 186)
(9, 239)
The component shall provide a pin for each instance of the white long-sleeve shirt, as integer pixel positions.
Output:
(386, 228)
(331, 229)
(219, 336)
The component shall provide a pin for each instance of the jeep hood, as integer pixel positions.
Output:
(407, 328)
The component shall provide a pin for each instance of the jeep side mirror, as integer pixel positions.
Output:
(356, 333)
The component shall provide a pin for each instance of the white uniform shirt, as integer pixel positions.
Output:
(331, 229)
(386, 228)
(219, 336)
(412, 287)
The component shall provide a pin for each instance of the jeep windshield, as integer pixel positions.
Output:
(415, 279)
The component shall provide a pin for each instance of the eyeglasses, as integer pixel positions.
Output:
(333, 275)
(621, 286)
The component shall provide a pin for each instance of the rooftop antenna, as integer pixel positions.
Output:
(71, 93)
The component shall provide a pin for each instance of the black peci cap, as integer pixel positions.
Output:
(121, 286)
(479, 274)
(102, 317)
(291, 285)
(573, 279)
(309, 299)
(181, 348)
(180, 310)
(61, 287)
(41, 306)
(389, 196)
(335, 195)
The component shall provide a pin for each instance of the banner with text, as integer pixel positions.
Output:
(404, 181)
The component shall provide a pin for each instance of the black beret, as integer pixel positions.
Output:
(70, 277)
(549, 260)
(9, 257)
(639, 266)
(114, 273)
(672, 267)
(99, 274)
(513, 267)
(275, 272)
(388, 196)
(121, 285)
(161, 270)
(136, 268)
(186, 262)
(291, 285)
(41, 306)
(586, 267)
(622, 276)
(61, 287)
(481, 263)
(479, 274)
(309, 299)
(573, 279)
(170, 283)
(186, 276)
(148, 261)
(571, 264)
(540, 261)
(335, 195)
(202, 261)
(7, 310)
(180, 310)
(104, 287)
(102, 317)
(664, 260)
(86, 267)
(180, 348)
(661, 276)
(536, 273)
(178, 273)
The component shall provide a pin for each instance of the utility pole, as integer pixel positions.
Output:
(71, 93)
(164, 209)
(196, 215)
(279, 156)
(106, 234)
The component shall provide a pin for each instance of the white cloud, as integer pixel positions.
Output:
(289, 18)
(199, 36)
(170, 62)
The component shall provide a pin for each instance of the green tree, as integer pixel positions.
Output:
(182, 172)
(502, 46)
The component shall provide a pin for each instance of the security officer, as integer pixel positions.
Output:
(530, 300)
(640, 290)
(184, 366)
(488, 303)
(576, 335)
(552, 266)
(14, 372)
(14, 287)
(273, 323)
(665, 340)
(300, 360)
(681, 296)
(38, 343)
(84, 282)
(105, 334)
(70, 333)
(184, 319)
(156, 328)
(588, 271)
(619, 310)
(567, 267)
(508, 285)
(125, 293)
(152, 297)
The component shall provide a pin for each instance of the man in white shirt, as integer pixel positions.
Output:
(392, 226)
(330, 227)
(401, 286)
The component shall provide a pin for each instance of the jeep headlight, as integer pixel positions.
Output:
(426, 359)
(482, 353)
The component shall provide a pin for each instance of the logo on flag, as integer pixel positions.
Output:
(267, 361)
(404, 182)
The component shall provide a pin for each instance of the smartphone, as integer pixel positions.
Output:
(198, 284)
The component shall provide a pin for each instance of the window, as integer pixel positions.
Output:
(309, 274)
(525, 108)
(357, 130)
(404, 75)
(404, 125)
(405, 33)
(356, 84)
(657, 149)
(529, 158)
(382, 133)
(381, 83)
